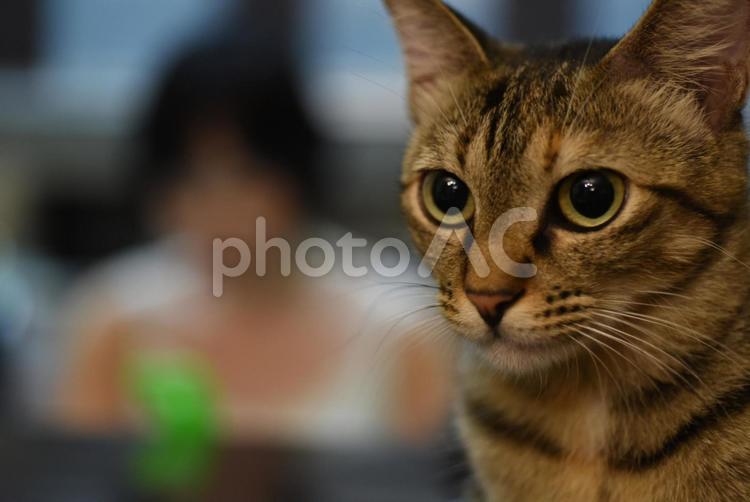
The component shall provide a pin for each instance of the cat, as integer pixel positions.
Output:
(620, 370)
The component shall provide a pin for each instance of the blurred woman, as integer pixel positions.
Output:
(272, 361)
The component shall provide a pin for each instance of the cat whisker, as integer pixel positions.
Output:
(392, 288)
(424, 333)
(717, 247)
(639, 304)
(375, 303)
(458, 106)
(578, 369)
(395, 286)
(448, 121)
(593, 358)
(656, 360)
(400, 319)
(699, 394)
(368, 7)
(679, 329)
(628, 360)
(653, 383)
(385, 64)
(583, 105)
(579, 75)
(587, 54)
(600, 343)
(377, 84)
(664, 293)
(617, 352)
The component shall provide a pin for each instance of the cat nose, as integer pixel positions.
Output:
(492, 306)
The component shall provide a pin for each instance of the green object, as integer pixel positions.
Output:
(179, 401)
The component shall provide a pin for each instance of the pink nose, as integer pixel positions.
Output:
(493, 305)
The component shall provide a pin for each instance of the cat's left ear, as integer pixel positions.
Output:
(437, 44)
(699, 45)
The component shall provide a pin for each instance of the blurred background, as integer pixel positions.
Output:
(132, 133)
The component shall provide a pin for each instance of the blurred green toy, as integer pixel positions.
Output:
(178, 398)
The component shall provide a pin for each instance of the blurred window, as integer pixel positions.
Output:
(122, 34)
(97, 58)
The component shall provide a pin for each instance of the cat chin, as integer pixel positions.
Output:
(521, 357)
(515, 348)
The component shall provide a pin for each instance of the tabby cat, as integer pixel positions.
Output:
(620, 370)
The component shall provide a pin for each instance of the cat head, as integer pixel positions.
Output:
(628, 159)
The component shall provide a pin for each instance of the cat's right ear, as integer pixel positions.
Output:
(437, 44)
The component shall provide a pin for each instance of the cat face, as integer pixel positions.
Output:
(633, 159)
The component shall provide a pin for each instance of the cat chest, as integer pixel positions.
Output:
(567, 445)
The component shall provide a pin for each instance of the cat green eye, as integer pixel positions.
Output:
(592, 198)
(446, 198)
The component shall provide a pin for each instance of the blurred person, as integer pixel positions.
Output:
(272, 361)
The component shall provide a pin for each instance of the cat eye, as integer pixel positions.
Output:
(446, 198)
(591, 199)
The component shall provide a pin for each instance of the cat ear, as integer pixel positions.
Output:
(437, 43)
(700, 45)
